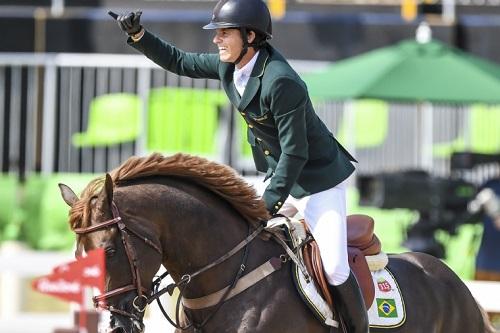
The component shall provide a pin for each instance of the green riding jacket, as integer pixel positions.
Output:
(289, 141)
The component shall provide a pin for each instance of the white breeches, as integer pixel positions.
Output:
(325, 213)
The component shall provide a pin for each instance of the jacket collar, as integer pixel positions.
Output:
(229, 87)
(254, 80)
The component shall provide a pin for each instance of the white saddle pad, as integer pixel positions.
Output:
(388, 308)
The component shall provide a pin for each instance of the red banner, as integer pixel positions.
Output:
(90, 269)
(61, 285)
(68, 280)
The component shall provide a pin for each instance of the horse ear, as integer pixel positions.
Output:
(68, 195)
(108, 187)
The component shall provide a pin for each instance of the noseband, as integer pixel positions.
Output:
(100, 300)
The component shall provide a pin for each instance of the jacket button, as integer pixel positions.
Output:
(279, 203)
(276, 207)
(266, 152)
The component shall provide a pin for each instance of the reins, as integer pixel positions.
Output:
(186, 279)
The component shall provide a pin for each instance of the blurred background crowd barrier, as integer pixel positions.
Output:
(422, 118)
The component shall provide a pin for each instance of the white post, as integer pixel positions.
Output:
(57, 8)
(143, 88)
(10, 284)
(49, 111)
(448, 14)
(426, 136)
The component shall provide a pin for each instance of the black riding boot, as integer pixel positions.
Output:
(351, 305)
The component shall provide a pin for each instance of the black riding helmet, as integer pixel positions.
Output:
(245, 15)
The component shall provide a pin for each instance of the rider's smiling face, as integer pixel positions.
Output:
(229, 43)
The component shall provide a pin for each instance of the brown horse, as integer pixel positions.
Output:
(186, 213)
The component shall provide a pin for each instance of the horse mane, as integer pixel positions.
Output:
(218, 178)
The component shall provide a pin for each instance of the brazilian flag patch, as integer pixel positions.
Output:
(386, 308)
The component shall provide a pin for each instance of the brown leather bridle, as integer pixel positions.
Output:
(144, 295)
(100, 300)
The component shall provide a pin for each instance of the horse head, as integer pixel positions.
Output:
(133, 255)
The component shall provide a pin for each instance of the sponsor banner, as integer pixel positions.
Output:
(68, 281)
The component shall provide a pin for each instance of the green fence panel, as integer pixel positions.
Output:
(461, 249)
(184, 120)
(45, 223)
(113, 119)
(371, 123)
(481, 135)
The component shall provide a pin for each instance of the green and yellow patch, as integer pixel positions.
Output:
(386, 308)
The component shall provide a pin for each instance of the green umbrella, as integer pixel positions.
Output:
(410, 71)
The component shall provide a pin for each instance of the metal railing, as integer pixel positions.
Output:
(44, 100)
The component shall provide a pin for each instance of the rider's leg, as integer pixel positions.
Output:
(325, 212)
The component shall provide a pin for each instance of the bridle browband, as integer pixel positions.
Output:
(100, 300)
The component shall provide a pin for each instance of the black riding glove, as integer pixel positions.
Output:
(130, 23)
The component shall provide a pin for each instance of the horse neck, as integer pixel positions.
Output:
(196, 227)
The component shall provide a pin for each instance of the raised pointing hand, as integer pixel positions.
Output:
(129, 23)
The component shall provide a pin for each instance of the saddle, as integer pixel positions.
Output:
(361, 242)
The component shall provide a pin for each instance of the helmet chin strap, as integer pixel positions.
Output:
(256, 45)
(244, 36)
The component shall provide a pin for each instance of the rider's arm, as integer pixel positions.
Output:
(195, 65)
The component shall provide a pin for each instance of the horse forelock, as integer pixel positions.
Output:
(218, 178)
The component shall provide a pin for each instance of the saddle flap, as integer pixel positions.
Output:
(312, 260)
(359, 267)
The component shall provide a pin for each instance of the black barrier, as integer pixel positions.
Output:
(440, 202)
